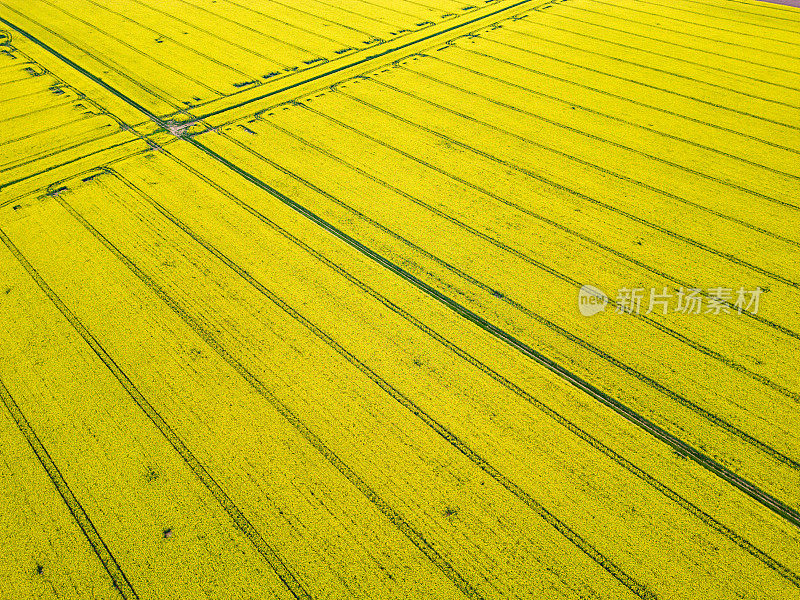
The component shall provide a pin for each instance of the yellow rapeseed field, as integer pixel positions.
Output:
(399, 299)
